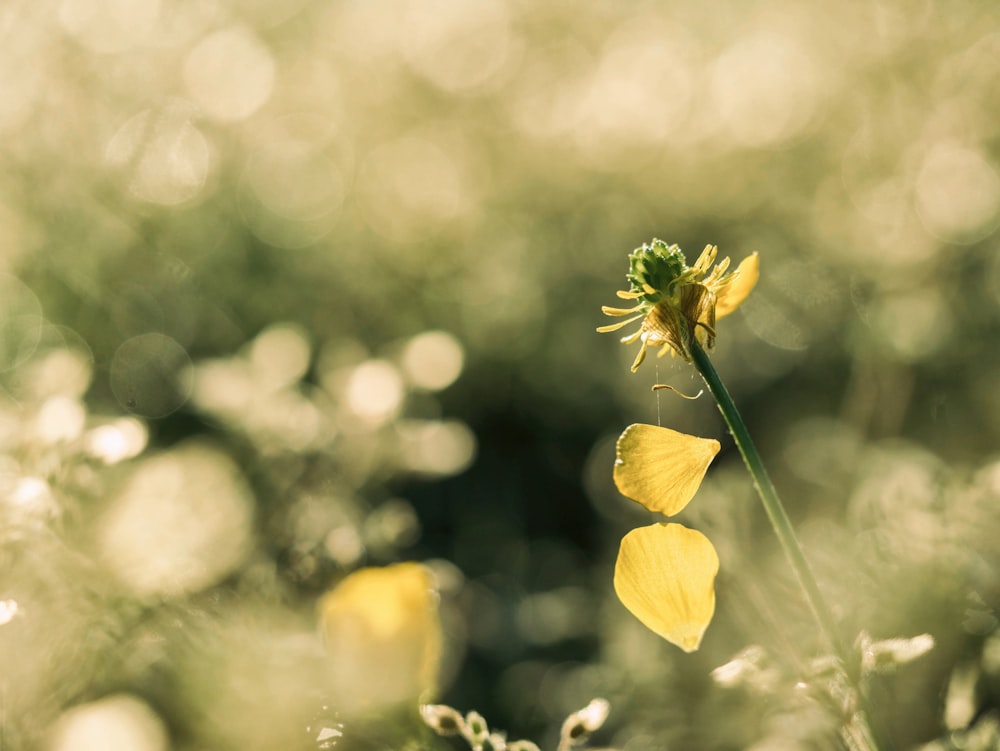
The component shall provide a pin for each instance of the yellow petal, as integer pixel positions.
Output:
(665, 576)
(383, 633)
(731, 296)
(661, 468)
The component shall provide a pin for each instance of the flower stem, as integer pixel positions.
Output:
(783, 529)
(769, 497)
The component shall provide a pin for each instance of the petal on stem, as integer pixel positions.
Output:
(665, 576)
(661, 468)
(732, 295)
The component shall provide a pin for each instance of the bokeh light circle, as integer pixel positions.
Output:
(109, 27)
(295, 181)
(21, 321)
(230, 73)
(765, 88)
(167, 159)
(120, 722)
(149, 375)
(958, 194)
(180, 523)
(375, 391)
(410, 188)
(280, 355)
(433, 360)
(457, 46)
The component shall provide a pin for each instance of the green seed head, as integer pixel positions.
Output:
(656, 266)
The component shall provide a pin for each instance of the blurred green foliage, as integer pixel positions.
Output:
(224, 225)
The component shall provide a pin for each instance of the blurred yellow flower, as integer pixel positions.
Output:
(665, 573)
(382, 630)
(665, 576)
(677, 302)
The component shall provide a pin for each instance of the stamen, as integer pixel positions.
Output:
(709, 329)
(705, 259)
(618, 325)
(609, 311)
(628, 295)
(639, 357)
(715, 279)
(660, 386)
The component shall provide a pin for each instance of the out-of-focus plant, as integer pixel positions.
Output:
(326, 442)
(382, 632)
(575, 731)
(123, 561)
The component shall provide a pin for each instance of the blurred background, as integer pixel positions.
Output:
(289, 289)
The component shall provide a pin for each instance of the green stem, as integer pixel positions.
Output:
(782, 526)
(769, 497)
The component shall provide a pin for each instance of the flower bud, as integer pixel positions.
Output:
(884, 656)
(579, 725)
(477, 730)
(443, 719)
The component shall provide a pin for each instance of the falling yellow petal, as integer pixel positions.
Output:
(383, 633)
(731, 296)
(665, 576)
(661, 468)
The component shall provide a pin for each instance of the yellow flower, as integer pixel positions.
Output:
(665, 573)
(383, 633)
(677, 302)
